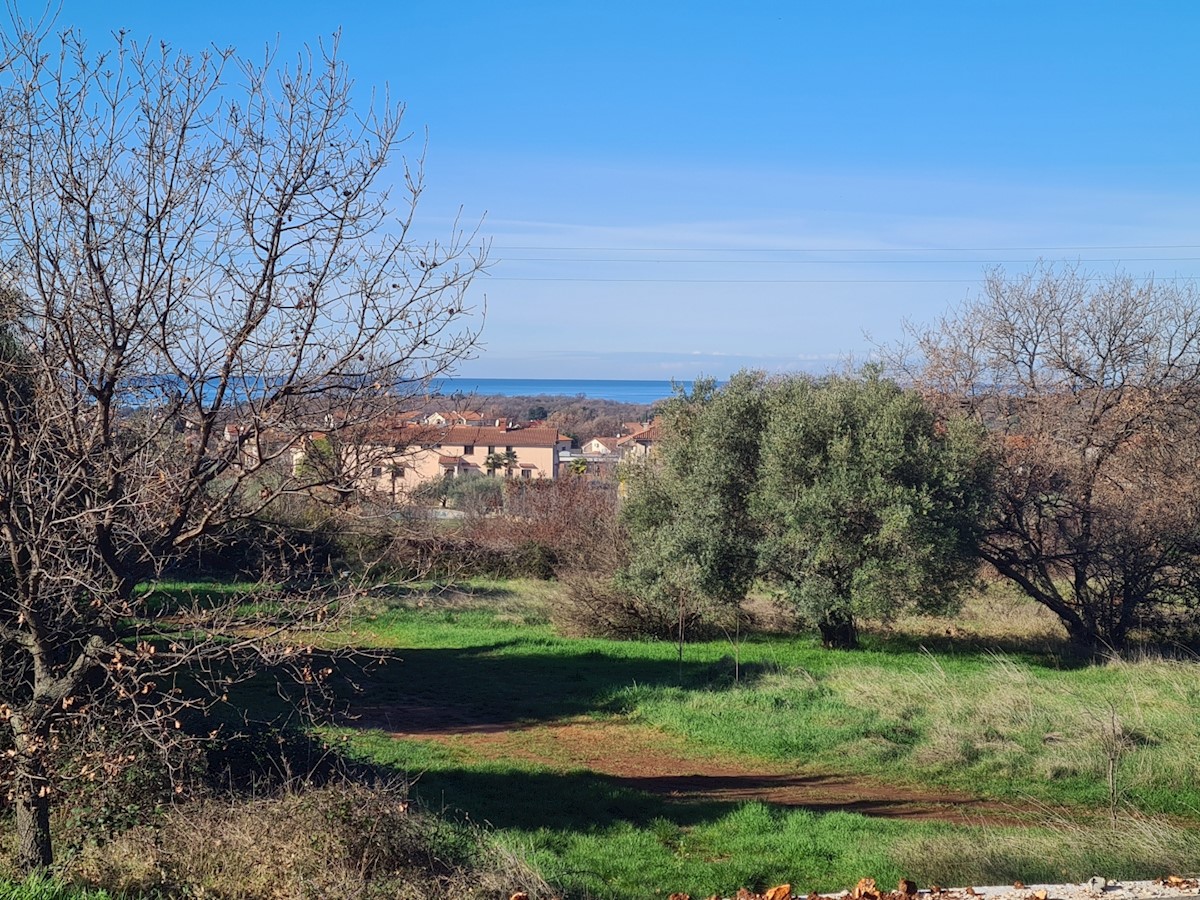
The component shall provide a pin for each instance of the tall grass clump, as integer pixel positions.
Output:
(1053, 850)
(1105, 735)
(343, 840)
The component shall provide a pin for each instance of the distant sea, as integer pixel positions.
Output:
(644, 392)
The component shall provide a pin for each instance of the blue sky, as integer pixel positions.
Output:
(684, 188)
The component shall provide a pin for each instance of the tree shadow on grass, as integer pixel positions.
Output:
(531, 800)
(501, 684)
(528, 800)
(1046, 654)
(439, 589)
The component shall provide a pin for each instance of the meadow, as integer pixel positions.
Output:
(973, 751)
(1001, 756)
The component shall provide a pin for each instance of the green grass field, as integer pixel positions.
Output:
(481, 690)
(1022, 724)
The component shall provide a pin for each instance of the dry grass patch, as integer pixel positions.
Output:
(1059, 850)
(1124, 731)
(346, 841)
(994, 615)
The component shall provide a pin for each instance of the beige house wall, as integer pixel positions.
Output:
(398, 468)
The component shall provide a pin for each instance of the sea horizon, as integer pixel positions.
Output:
(624, 390)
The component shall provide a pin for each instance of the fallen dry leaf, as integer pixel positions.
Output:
(1019, 885)
(907, 887)
(680, 897)
(865, 890)
(972, 892)
(1175, 881)
(779, 892)
(1039, 895)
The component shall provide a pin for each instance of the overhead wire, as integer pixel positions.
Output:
(808, 261)
(1073, 249)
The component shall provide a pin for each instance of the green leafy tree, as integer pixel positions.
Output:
(867, 504)
(474, 494)
(509, 461)
(494, 462)
(693, 540)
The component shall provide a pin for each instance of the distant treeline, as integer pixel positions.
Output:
(582, 418)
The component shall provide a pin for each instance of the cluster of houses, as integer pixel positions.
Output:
(394, 459)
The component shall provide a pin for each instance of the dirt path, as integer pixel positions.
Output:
(645, 759)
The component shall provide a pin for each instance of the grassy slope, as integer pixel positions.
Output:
(1017, 726)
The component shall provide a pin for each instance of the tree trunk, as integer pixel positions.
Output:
(1093, 642)
(838, 631)
(32, 801)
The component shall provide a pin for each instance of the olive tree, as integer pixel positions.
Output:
(204, 261)
(1090, 388)
(866, 502)
(692, 541)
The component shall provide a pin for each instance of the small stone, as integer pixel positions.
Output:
(1096, 884)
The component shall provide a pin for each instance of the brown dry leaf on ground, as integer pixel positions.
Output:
(1175, 881)
(779, 892)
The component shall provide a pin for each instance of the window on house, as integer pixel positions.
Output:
(376, 471)
(526, 473)
(468, 449)
(491, 450)
(508, 449)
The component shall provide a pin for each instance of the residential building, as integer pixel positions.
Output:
(396, 461)
(640, 443)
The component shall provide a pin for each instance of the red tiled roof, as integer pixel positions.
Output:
(465, 435)
(649, 434)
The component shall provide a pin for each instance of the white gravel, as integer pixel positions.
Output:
(1097, 888)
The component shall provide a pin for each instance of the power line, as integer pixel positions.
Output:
(1079, 249)
(781, 280)
(818, 262)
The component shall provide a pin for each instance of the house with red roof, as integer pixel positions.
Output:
(403, 458)
(641, 442)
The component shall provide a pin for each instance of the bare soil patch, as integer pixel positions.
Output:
(645, 759)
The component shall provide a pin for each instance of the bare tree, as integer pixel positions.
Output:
(202, 266)
(1090, 387)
